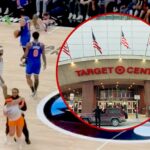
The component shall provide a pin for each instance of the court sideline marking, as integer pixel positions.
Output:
(107, 142)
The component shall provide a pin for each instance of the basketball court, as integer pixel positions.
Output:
(43, 137)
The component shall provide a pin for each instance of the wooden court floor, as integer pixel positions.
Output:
(42, 137)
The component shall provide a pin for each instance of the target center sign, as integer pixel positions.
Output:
(109, 70)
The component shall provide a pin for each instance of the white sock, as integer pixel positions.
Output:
(19, 141)
(9, 139)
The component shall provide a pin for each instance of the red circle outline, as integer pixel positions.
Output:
(118, 71)
(57, 80)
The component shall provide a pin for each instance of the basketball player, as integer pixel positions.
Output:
(24, 31)
(33, 53)
(15, 119)
(23, 107)
(2, 83)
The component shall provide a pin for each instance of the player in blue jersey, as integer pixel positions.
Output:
(34, 51)
(24, 31)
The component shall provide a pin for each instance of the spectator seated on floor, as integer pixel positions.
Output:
(48, 20)
(44, 23)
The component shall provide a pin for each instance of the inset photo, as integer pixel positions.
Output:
(103, 72)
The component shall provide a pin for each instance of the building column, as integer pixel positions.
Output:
(88, 96)
(142, 105)
(147, 97)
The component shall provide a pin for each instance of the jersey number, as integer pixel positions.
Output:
(35, 53)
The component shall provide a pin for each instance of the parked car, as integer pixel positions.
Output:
(111, 116)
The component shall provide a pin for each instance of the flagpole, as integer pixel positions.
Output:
(69, 52)
(82, 41)
(94, 48)
(132, 37)
(120, 41)
(107, 40)
(95, 52)
(147, 45)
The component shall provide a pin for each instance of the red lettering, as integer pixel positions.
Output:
(130, 70)
(97, 71)
(83, 72)
(90, 71)
(136, 70)
(143, 71)
(104, 70)
(78, 72)
(110, 69)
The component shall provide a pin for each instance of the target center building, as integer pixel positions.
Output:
(108, 82)
(119, 76)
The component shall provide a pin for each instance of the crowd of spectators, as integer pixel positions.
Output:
(73, 12)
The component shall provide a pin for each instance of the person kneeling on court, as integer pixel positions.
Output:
(15, 119)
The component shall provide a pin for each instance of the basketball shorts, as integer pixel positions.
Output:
(18, 123)
(24, 39)
(33, 68)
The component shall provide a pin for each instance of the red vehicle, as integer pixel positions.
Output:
(111, 116)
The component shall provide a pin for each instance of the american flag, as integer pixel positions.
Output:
(124, 40)
(95, 43)
(66, 50)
